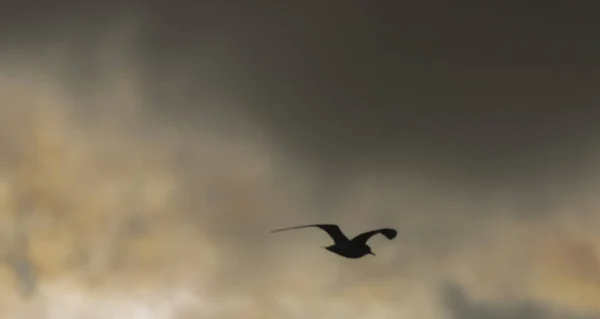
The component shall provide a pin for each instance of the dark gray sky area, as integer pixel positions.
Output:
(490, 90)
(477, 84)
(483, 95)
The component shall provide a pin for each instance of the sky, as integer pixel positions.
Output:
(470, 127)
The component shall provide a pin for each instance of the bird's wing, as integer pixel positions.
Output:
(389, 233)
(334, 231)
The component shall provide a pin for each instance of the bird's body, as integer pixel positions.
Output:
(350, 248)
(349, 251)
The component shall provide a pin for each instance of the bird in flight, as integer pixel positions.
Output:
(350, 248)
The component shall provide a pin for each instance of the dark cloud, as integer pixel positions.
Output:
(486, 95)
(461, 307)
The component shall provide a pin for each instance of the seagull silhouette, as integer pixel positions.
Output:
(350, 248)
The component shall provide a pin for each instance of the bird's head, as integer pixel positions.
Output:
(369, 251)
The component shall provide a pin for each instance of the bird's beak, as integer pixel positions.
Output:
(371, 253)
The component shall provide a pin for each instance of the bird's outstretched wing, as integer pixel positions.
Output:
(389, 233)
(334, 231)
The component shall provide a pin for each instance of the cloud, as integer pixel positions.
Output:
(122, 207)
(461, 306)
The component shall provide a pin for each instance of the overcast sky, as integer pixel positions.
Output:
(489, 89)
(485, 98)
